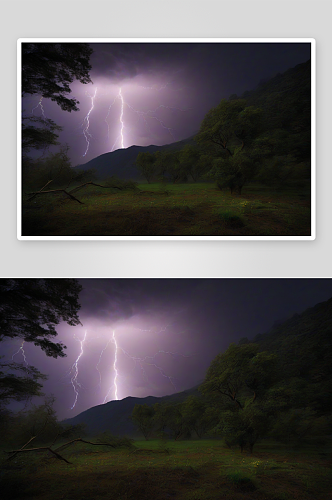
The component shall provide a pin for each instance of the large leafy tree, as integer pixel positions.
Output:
(48, 69)
(145, 163)
(142, 416)
(38, 137)
(241, 378)
(231, 129)
(198, 415)
(30, 309)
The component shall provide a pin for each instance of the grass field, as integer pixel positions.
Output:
(170, 210)
(186, 470)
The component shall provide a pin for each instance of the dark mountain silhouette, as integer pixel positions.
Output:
(121, 163)
(114, 416)
(303, 343)
(286, 103)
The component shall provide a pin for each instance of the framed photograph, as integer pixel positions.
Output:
(166, 139)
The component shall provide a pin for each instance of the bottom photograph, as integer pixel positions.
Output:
(132, 388)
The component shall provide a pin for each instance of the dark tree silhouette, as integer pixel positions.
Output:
(49, 68)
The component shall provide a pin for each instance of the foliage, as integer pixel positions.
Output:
(198, 416)
(38, 137)
(48, 69)
(277, 170)
(233, 127)
(285, 101)
(38, 422)
(230, 125)
(176, 423)
(146, 165)
(31, 308)
(142, 416)
(54, 169)
(191, 163)
(242, 377)
(18, 387)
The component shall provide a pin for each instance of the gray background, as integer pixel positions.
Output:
(180, 19)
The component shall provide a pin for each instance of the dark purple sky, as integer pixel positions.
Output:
(158, 336)
(158, 93)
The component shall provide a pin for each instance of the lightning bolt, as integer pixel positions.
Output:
(74, 369)
(121, 118)
(21, 349)
(151, 113)
(113, 339)
(138, 361)
(86, 122)
(114, 365)
(39, 105)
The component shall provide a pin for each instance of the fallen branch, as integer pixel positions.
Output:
(83, 441)
(55, 191)
(47, 183)
(69, 193)
(94, 184)
(37, 449)
(55, 452)
(26, 444)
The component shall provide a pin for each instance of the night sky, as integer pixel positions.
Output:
(158, 93)
(158, 336)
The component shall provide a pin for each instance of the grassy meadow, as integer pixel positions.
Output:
(187, 209)
(185, 470)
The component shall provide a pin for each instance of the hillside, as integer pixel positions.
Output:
(121, 162)
(304, 342)
(114, 416)
(286, 103)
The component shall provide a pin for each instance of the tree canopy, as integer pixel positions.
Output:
(31, 308)
(48, 69)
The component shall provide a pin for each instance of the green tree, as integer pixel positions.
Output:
(38, 422)
(145, 163)
(21, 387)
(142, 416)
(55, 168)
(173, 166)
(242, 377)
(38, 137)
(48, 69)
(170, 417)
(30, 309)
(198, 416)
(232, 127)
(190, 162)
